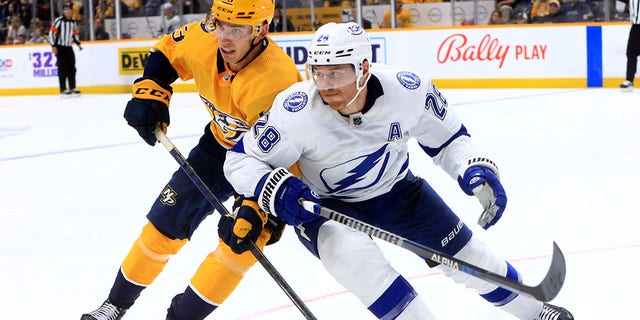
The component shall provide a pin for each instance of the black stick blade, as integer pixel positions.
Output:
(550, 286)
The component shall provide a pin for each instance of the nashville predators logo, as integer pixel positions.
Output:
(232, 128)
(168, 196)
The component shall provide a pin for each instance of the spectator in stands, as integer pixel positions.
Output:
(3, 8)
(131, 7)
(44, 13)
(20, 39)
(404, 19)
(191, 6)
(577, 11)
(39, 34)
(170, 22)
(556, 14)
(539, 10)
(520, 18)
(16, 29)
(98, 30)
(366, 24)
(496, 17)
(4, 20)
(152, 8)
(504, 7)
(104, 10)
(279, 21)
(25, 14)
(76, 8)
(509, 9)
(10, 11)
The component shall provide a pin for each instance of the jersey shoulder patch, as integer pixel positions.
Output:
(408, 79)
(295, 101)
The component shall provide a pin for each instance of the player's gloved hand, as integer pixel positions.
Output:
(278, 193)
(480, 179)
(245, 223)
(149, 108)
(276, 227)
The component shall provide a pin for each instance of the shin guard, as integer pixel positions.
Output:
(222, 270)
(148, 255)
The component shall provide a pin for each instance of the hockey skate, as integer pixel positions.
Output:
(551, 312)
(75, 92)
(626, 86)
(65, 94)
(107, 311)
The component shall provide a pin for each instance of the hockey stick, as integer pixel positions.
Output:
(545, 291)
(206, 192)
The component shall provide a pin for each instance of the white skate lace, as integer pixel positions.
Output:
(548, 313)
(106, 312)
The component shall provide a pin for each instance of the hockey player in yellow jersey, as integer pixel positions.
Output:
(238, 70)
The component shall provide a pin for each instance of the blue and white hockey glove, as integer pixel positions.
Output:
(149, 108)
(480, 179)
(278, 193)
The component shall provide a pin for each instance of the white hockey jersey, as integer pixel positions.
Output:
(356, 157)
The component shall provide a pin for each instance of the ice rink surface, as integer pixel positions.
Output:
(76, 184)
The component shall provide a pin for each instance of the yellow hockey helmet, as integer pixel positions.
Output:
(244, 12)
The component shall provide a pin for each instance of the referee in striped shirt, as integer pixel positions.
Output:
(633, 45)
(63, 33)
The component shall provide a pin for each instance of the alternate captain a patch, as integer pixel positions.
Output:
(408, 80)
(295, 101)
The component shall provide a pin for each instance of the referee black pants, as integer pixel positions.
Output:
(633, 50)
(66, 68)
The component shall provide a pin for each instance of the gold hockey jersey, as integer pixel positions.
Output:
(234, 100)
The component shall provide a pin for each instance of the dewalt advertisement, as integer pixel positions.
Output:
(132, 60)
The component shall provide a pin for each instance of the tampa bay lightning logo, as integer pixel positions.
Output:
(356, 174)
(408, 79)
(295, 101)
(355, 29)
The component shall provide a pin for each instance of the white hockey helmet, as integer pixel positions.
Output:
(340, 43)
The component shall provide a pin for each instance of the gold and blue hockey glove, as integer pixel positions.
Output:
(149, 108)
(276, 227)
(245, 223)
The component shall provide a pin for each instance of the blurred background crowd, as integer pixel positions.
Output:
(28, 21)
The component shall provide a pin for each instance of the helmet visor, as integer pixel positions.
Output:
(233, 31)
(331, 77)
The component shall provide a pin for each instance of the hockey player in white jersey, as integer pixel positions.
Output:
(347, 129)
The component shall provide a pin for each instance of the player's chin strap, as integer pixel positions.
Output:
(210, 25)
(206, 192)
(262, 43)
(545, 291)
(359, 88)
